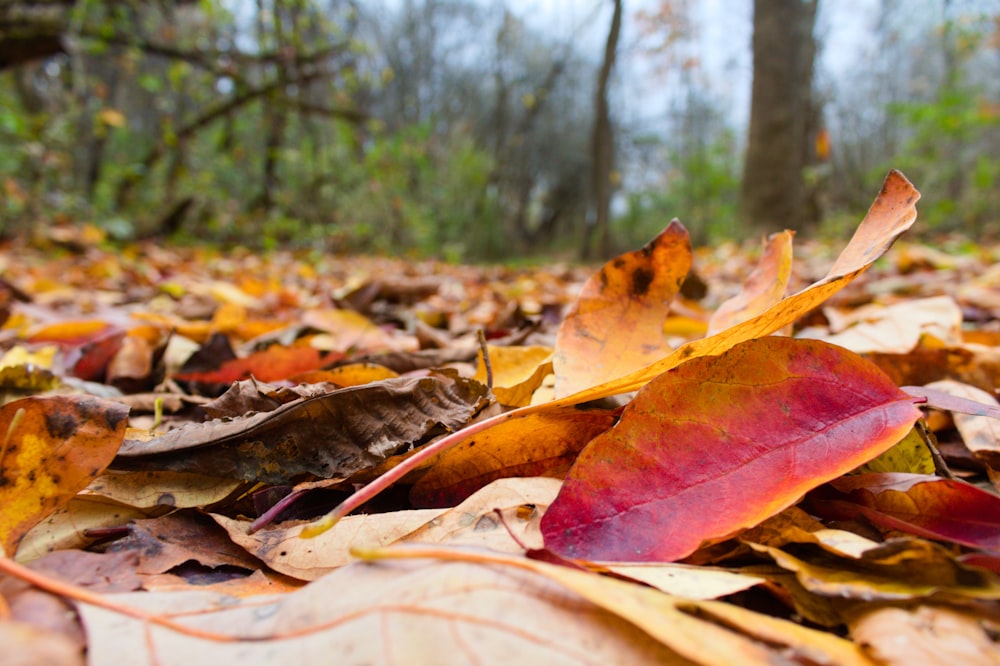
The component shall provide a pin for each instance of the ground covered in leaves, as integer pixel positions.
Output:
(737, 454)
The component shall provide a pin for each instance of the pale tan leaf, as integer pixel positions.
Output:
(67, 526)
(474, 523)
(27, 645)
(897, 328)
(981, 434)
(927, 635)
(434, 613)
(690, 582)
(707, 632)
(152, 489)
(308, 559)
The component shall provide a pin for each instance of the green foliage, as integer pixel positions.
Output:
(123, 135)
(419, 191)
(701, 189)
(943, 155)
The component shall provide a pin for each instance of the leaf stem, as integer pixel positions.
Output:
(365, 494)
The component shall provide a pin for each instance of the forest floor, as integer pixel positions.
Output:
(174, 418)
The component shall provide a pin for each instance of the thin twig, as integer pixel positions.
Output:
(486, 358)
(82, 595)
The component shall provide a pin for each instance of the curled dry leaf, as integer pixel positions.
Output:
(898, 328)
(795, 526)
(898, 569)
(68, 526)
(162, 490)
(521, 502)
(116, 498)
(763, 288)
(471, 523)
(309, 559)
(980, 432)
(330, 435)
(517, 372)
(616, 324)
(892, 213)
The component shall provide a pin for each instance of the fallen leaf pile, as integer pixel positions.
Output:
(677, 458)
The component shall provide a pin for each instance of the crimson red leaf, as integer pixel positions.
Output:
(272, 364)
(719, 444)
(945, 509)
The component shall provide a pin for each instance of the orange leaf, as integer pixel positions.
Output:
(352, 374)
(517, 372)
(616, 324)
(538, 445)
(764, 287)
(50, 449)
(721, 443)
(71, 333)
(892, 213)
(274, 363)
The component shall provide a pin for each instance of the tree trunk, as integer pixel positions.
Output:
(602, 159)
(782, 117)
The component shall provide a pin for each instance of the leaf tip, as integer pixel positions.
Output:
(314, 529)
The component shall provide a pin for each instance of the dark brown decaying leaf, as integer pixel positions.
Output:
(330, 435)
(251, 395)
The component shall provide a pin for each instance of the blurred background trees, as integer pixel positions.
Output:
(483, 129)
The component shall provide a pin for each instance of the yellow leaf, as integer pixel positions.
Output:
(112, 117)
(517, 372)
(50, 449)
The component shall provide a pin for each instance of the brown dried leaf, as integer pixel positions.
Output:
(333, 434)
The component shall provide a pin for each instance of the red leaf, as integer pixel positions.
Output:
(719, 444)
(95, 355)
(944, 509)
(272, 364)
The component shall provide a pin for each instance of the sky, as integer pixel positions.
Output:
(723, 46)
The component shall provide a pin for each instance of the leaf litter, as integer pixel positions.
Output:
(732, 475)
